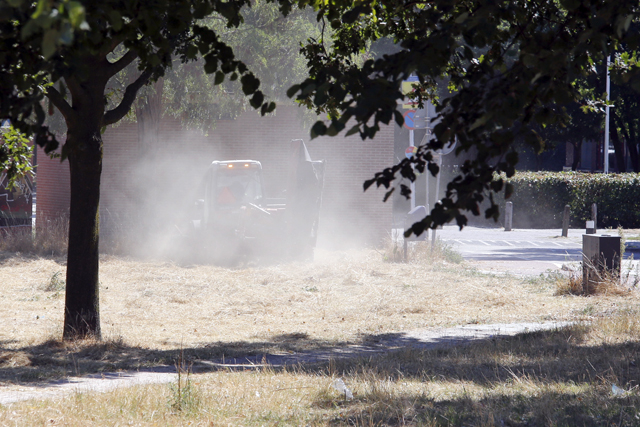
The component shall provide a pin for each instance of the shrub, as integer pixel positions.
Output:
(539, 199)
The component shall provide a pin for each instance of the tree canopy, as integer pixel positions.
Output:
(531, 54)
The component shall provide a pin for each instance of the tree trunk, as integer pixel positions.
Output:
(85, 117)
(82, 305)
(633, 154)
(630, 134)
(577, 154)
(618, 145)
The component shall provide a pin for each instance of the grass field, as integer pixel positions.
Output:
(154, 311)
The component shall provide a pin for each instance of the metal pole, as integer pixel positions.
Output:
(433, 232)
(606, 121)
(427, 202)
(439, 158)
(426, 199)
(413, 184)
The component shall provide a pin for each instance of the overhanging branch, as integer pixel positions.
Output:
(112, 116)
(120, 64)
(59, 102)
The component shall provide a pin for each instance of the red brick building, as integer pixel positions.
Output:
(166, 178)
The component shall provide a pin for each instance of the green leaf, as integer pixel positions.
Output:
(219, 78)
(355, 129)
(76, 13)
(210, 66)
(64, 153)
(479, 122)
(292, 91)
(250, 84)
(318, 129)
(114, 16)
(462, 17)
(267, 108)
(257, 99)
(368, 183)
(388, 194)
(49, 41)
(398, 117)
(41, 7)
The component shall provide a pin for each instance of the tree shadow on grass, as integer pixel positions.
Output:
(535, 379)
(552, 356)
(547, 408)
(54, 360)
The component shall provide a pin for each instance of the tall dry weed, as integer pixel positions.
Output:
(600, 281)
(50, 238)
(421, 252)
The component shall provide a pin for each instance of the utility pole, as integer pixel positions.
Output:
(413, 183)
(606, 121)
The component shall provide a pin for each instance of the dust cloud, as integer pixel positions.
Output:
(150, 199)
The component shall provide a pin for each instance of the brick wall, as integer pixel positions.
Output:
(52, 180)
(165, 178)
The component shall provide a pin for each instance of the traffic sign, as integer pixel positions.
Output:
(409, 121)
(408, 91)
(410, 152)
(448, 147)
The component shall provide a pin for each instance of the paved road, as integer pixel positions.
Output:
(486, 244)
(523, 252)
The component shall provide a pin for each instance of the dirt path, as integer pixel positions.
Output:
(416, 339)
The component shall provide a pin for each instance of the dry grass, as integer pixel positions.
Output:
(153, 311)
(601, 282)
(561, 378)
(607, 285)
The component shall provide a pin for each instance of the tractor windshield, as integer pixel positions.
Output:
(238, 185)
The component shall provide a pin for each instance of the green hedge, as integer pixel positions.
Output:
(539, 199)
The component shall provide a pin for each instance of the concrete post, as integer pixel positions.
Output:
(508, 216)
(565, 221)
(404, 249)
(433, 239)
(594, 217)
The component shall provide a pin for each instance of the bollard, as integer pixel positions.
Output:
(416, 214)
(565, 221)
(590, 228)
(594, 217)
(508, 216)
(433, 239)
(404, 249)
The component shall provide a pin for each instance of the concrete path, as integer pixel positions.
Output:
(416, 339)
